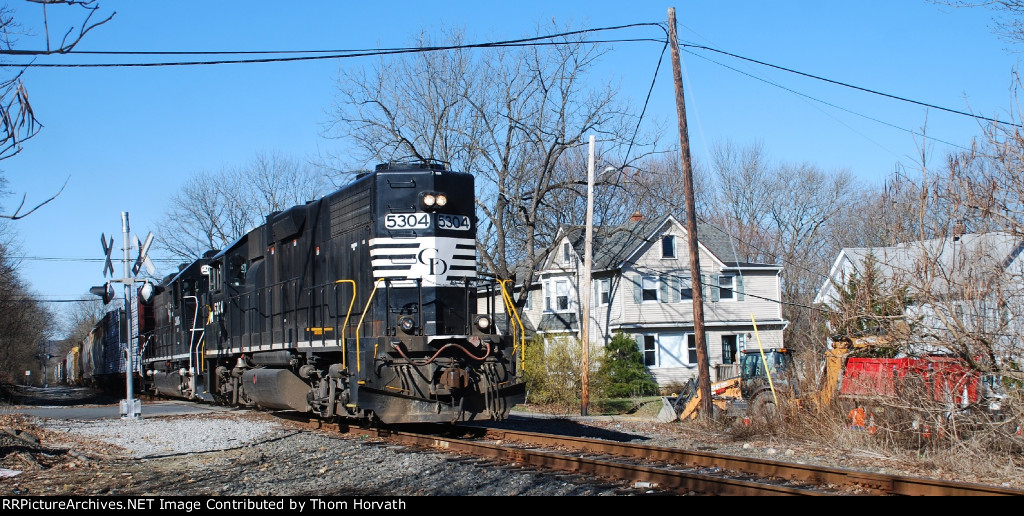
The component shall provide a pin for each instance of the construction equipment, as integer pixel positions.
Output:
(685, 404)
(732, 396)
(767, 381)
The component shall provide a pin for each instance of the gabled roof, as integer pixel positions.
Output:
(613, 246)
(905, 261)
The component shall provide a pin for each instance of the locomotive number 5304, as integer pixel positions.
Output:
(407, 221)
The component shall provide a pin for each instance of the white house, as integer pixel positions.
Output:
(642, 286)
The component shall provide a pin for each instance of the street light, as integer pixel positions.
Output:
(588, 253)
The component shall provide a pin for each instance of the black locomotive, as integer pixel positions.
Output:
(362, 304)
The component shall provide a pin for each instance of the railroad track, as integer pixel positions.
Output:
(666, 470)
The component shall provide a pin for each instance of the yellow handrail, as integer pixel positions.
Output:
(510, 308)
(360, 325)
(344, 329)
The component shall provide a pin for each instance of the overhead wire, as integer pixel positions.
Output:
(538, 40)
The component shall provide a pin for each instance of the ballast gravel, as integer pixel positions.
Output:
(247, 454)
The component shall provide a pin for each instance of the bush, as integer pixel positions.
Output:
(622, 372)
(553, 368)
(553, 371)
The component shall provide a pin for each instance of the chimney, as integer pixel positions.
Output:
(636, 217)
(958, 230)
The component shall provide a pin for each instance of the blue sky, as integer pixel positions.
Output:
(129, 137)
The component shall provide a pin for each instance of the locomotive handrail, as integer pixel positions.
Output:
(193, 344)
(344, 329)
(359, 326)
(511, 308)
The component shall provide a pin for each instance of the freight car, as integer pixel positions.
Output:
(362, 304)
(99, 360)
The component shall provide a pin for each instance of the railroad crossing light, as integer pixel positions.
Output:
(149, 291)
(105, 291)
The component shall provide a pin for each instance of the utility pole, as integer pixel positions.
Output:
(703, 369)
(587, 253)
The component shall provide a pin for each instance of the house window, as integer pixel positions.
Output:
(529, 300)
(562, 295)
(649, 288)
(650, 351)
(565, 253)
(604, 291)
(668, 246)
(726, 287)
(685, 288)
(691, 349)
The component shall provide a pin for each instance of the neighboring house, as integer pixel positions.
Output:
(959, 285)
(642, 287)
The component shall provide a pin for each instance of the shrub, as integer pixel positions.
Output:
(622, 371)
(552, 370)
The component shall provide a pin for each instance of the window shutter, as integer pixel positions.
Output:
(739, 287)
(637, 281)
(663, 286)
(715, 291)
(673, 291)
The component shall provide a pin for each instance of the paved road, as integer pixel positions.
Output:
(60, 402)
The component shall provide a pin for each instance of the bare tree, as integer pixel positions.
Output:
(212, 209)
(18, 122)
(23, 320)
(1007, 23)
(516, 117)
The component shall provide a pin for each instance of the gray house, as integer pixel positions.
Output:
(963, 289)
(642, 286)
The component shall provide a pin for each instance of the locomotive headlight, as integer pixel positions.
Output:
(406, 323)
(483, 323)
(429, 200)
(442, 199)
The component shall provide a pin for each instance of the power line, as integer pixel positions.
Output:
(651, 271)
(766, 81)
(74, 259)
(848, 85)
(538, 40)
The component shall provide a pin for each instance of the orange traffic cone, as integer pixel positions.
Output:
(872, 429)
(927, 432)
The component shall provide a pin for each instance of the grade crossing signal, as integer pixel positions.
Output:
(108, 265)
(105, 291)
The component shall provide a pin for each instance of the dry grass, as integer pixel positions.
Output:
(969, 446)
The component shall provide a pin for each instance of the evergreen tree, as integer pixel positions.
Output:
(624, 370)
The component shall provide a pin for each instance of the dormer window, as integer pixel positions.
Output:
(565, 253)
(668, 246)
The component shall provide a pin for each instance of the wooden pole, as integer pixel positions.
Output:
(703, 369)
